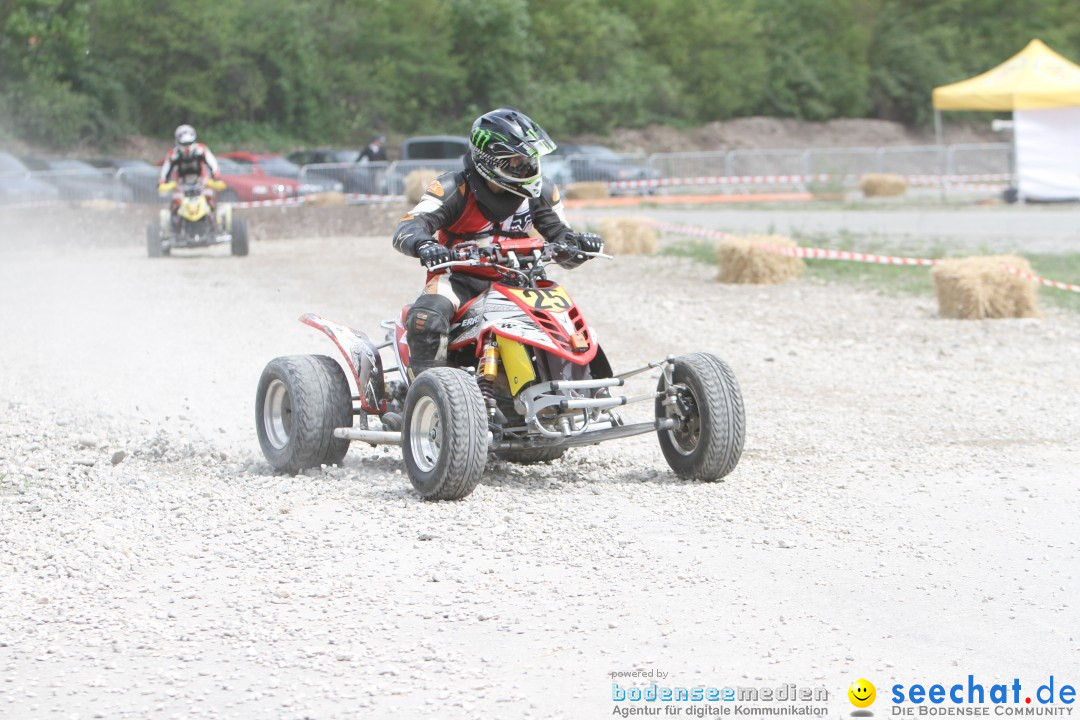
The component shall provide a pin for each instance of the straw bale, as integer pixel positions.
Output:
(326, 198)
(883, 185)
(981, 287)
(417, 182)
(587, 191)
(747, 260)
(628, 236)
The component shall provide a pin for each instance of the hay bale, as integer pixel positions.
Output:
(586, 191)
(628, 236)
(981, 287)
(882, 185)
(326, 198)
(417, 182)
(746, 260)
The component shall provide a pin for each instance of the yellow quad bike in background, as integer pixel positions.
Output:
(196, 225)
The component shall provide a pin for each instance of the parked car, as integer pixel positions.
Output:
(280, 166)
(16, 184)
(139, 175)
(435, 152)
(596, 163)
(77, 181)
(434, 147)
(249, 182)
(343, 166)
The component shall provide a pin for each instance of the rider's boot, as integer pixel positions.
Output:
(427, 325)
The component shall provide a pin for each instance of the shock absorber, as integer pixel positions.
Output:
(486, 373)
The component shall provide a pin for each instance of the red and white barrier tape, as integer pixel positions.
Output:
(811, 253)
(916, 180)
(1043, 281)
(719, 180)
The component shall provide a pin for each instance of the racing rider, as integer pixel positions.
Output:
(189, 162)
(501, 191)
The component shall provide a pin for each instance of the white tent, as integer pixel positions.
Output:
(1043, 91)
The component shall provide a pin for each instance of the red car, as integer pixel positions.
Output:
(251, 182)
(279, 166)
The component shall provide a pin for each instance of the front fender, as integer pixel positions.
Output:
(362, 357)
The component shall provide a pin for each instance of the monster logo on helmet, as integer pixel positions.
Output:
(506, 150)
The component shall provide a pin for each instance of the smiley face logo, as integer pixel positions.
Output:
(862, 693)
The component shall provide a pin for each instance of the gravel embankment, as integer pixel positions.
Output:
(906, 508)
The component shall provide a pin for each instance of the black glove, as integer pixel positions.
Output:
(432, 253)
(588, 242)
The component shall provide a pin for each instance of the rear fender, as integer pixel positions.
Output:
(362, 357)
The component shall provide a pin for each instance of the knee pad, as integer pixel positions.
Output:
(429, 315)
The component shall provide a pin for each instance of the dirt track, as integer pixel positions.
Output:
(906, 508)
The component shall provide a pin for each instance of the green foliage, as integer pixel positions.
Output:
(817, 59)
(335, 71)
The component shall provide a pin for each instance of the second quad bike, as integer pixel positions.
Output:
(196, 224)
(525, 380)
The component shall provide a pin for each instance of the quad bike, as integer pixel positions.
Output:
(195, 223)
(525, 380)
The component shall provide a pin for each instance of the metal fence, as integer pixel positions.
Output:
(983, 167)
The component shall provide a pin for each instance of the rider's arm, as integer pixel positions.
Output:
(549, 219)
(211, 162)
(440, 207)
(167, 167)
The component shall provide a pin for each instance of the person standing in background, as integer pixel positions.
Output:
(374, 152)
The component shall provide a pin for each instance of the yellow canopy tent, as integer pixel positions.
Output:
(1035, 78)
(1042, 89)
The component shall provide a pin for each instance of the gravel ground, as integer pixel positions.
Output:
(906, 508)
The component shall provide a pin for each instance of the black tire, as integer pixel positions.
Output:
(708, 444)
(153, 241)
(239, 238)
(445, 434)
(301, 400)
(532, 456)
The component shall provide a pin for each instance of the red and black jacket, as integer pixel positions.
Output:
(458, 205)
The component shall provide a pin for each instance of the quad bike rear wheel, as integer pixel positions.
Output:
(301, 400)
(710, 424)
(155, 248)
(445, 434)
(239, 237)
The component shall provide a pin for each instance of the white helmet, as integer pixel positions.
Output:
(185, 137)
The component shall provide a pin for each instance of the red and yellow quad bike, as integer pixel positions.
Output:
(525, 380)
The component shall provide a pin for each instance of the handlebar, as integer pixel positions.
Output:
(539, 259)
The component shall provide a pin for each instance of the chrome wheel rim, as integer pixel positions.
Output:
(277, 414)
(686, 435)
(425, 434)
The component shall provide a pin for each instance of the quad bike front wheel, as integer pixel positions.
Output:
(710, 423)
(445, 434)
(239, 237)
(301, 400)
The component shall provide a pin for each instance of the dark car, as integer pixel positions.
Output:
(596, 163)
(434, 147)
(343, 166)
(443, 153)
(280, 166)
(139, 175)
(78, 181)
(17, 185)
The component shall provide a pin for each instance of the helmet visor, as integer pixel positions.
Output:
(517, 167)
